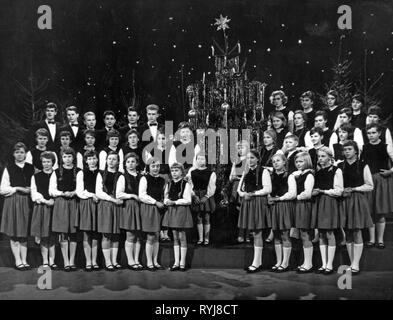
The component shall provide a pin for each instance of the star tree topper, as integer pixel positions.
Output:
(222, 23)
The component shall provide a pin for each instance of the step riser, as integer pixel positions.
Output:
(222, 258)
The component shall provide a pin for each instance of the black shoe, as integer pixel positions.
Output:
(182, 268)
(54, 266)
(27, 266)
(73, 267)
(20, 267)
(96, 267)
(303, 270)
(274, 268)
(174, 268)
(88, 268)
(380, 245)
(370, 244)
(328, 271)
(110, 268)
(158, 267)
(320, 270)
(67, 268)
(151, 268)
(118, 266)
(281, 269)
(253, 269)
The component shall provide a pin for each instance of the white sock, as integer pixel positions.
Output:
(129, 249)
(23, 252)
(114, 251)
(107, 256)
(87, 250)
(207, 231)
(44, 254)
(257, 256)
(176, 251)
(72, 253)
(350, 250)
(278, 249)
(94, 249)
(308, 257)
(15, 247)
(149, 254)
(371, 232)
(286, 255)
(156, 248)
(183, 255)
(331, 251)
(52, 253)
(357, 254)
(64, 251)
(323, 249)
(137, 251)
(200, 231)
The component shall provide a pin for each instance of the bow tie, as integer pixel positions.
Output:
(51, 121)
(153, 125)
(74, 125)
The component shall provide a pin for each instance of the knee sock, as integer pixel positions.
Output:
(156, 247)
(331, 250)
(323, 248)
(114, 251)
(137, 251)
(207, 231)
(107, 256)
(350, 250)
(149, 254)
(286, 255)
(278, 249)
(176, 252)
(72, 252)
(380, 231)
(129, 249)
(64, 251)
(87, 250)
(183, 255)
(257, 256)
(15, 247)
(200, 231)
(371, 232)
(357, 254)
(94, 249)
(308, 257)
(44, 254)
(23, 252)
(52, 254)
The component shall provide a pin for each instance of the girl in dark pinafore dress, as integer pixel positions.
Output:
(62, 187)
(379, 157)
(254, 187)
(281, 209)
(203, 183)
(151, 195)
(303, 206)
(15, 187)
(86, 219)
(178, 216)
(326, 209)
(41, 221)
(109, 210)
(127, 189)
(355, 212)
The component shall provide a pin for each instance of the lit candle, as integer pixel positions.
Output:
(238, 46)
(203, 78)
(212, 51)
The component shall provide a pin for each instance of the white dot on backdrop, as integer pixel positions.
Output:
(137, 62)
(113, 42)
(300, 41)
(173, 60)
(208, 72)
(322, 70)
(308, 62)
(281, 40)
(282, 25)
(249, 50)
(170, 18)
(268, 49)
(174, 46)
(199, 46)
(255, 41)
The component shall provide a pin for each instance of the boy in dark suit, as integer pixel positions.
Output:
(74, 127)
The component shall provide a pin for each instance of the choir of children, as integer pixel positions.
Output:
(306, 177)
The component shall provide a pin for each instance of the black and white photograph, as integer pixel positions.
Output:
(193, 150)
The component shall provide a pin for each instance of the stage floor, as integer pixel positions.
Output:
(201, 284)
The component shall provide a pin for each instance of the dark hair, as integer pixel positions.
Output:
(65, 133)
(89, 154)
(183, 125)
(333, 93)
(132, 109)
(352, 143)
(132, 131)
(51, 105)
(348, 128)
(112, 133)
(302, 113)
(131, 155)
(374, 125)
(42, 132)
(316, 130)
(375, 110)
(347, 111)
(71, 151)
(308, 94)
(358, 97)
(19, 145)
(109, 113)
(48, 155)
(321, 113)
(72, 108)
(89, 132)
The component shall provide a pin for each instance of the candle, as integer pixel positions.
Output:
(225, 94)
(238, 46)
(203, 78)
(212, 51)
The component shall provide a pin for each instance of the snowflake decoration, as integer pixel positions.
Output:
(222, 23)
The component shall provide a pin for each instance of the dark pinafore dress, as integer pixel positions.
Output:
(41, 220)
(381, 198)
(355, 210)
(138, 151)
(266, 157)
(150, 214)
(326, 209)
(338, 151)
(65, 209)
(239, 168)
(163, 156)
(281, 211)
(131, 218)
(254, 213)
(185, 153)
(86, 218)
(200, 181)
(36, 160)
(291, 162)
(109, 213)
(303, 208)
(177, 216)
(16, 208)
